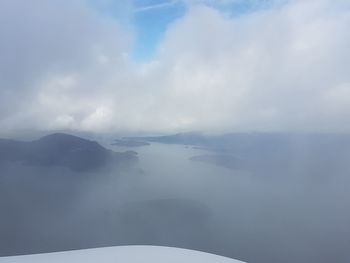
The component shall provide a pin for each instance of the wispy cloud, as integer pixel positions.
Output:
(157, 6)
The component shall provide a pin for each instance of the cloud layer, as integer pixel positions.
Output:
(64, 65)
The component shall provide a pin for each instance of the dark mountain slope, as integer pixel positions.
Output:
(61, 149)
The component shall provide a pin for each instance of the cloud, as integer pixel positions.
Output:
(266, 70)
(53, 57)
(65, 66)
(164, 4)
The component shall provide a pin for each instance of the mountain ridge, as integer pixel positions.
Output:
(61, 149)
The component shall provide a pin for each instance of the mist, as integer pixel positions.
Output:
(270, 213)
(266, 82)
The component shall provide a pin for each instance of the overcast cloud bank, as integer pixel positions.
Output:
(66, 65)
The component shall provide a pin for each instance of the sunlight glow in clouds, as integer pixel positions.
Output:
(64, 65)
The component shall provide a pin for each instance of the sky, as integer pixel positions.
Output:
(167, 66)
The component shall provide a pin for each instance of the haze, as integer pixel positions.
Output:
(219, 126)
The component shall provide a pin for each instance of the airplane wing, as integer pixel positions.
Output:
(127, 254)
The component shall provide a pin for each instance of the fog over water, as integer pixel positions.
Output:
(166, 199)
(266, 82)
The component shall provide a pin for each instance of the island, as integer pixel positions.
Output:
(129, 143)
(65, 150)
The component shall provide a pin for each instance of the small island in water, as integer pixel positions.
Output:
(129, 143)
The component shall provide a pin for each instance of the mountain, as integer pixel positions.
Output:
(267, 151)
(61, 149)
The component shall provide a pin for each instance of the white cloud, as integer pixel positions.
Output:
(281, 68)
(266, 70)
(51, 54)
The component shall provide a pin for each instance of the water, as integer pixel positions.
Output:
(276, 216)
(282, 217)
